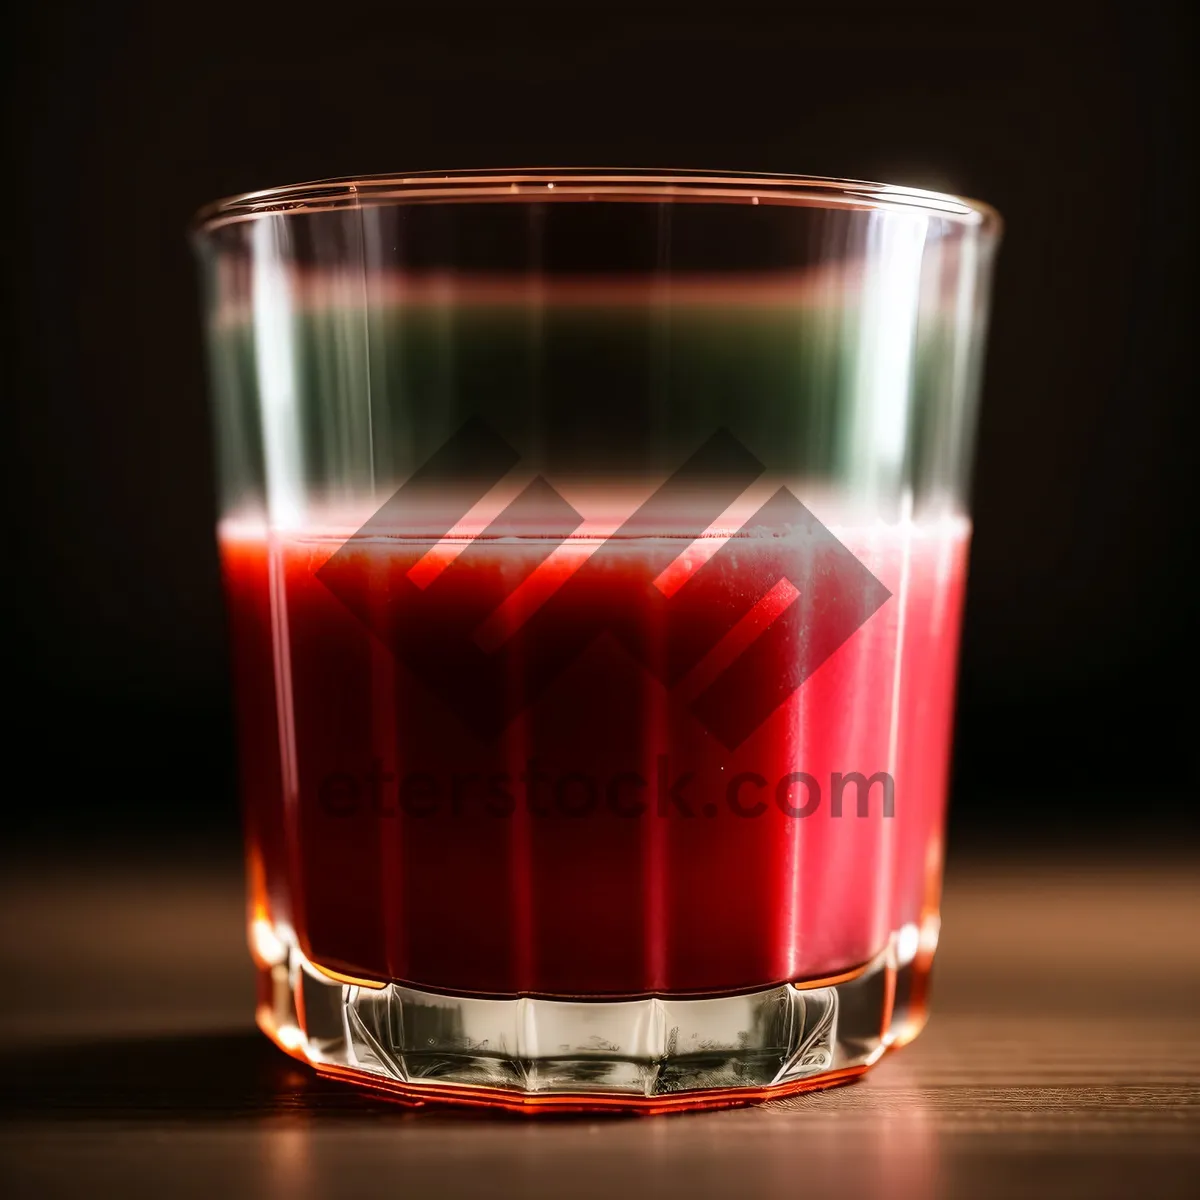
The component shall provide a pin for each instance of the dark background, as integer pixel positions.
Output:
(1075, 121)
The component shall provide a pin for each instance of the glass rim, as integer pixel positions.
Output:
(580, 183)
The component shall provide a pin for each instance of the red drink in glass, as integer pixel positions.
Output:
(570, 856)
(628, 788)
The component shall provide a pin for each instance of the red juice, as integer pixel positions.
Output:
(604, 842)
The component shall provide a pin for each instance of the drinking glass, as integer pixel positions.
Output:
(594, 545)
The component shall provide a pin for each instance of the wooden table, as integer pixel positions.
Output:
(1063, 1059)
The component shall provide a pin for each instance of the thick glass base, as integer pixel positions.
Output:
(649, 1054)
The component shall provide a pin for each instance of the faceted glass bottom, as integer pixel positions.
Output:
(649, 1054)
